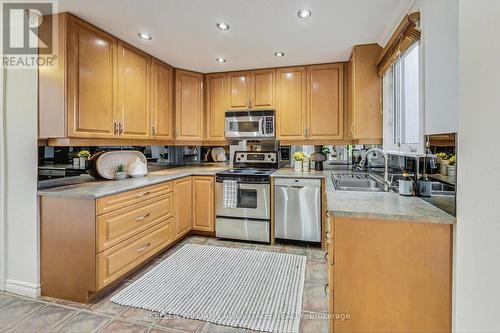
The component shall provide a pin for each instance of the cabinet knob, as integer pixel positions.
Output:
(153, 129)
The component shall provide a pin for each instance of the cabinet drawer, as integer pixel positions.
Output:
(120, 259)
(125, 199)
(124, 223)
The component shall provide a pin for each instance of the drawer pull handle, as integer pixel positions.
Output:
(327, 235)
(144, 247)
(142, 217)
(326, 289)
(143, 194)
(326, 256)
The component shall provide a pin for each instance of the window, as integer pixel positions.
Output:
(403, 120)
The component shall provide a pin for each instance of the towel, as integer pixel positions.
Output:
(230, 193)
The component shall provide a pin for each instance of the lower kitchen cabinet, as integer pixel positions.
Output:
(389, 276)
(89, 245)
(203, 203)
(183, 210)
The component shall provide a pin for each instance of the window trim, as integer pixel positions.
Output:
(389, 103)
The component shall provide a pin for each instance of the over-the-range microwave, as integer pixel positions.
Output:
(250, 124)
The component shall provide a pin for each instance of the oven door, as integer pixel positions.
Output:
(244, 127)
(253, 201)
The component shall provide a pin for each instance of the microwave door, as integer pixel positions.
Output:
(244, 127)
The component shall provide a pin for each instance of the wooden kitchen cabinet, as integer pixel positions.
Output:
(325, 102)
(78, 97)
(183, 209)
(162, 101)
(251, 90)
(402, 286)
(262, 89)
(215, 104)
(203, 203)
(103, 91)
(103, 241)
(133, 93)
(188, 105)
(238, 90)
(365, 94)
(291, 103)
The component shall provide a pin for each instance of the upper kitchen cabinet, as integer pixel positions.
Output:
(133, 93)
(365, 104)
(262, 89)
(215, 104)
(238, 90)
(291, 103)
(188, 105)
(77, 99)
(162, 101)
(325, 102)
(251, 90)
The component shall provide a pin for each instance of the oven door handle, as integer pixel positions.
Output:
(263, 125)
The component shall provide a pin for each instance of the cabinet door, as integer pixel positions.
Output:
(365, 93)
(325, 110)
(262, 89)
(189, 105)
(238, 90)
(216, 106)
(91, 81)
(203, 203)
(133, 92)
(183, 213)
(291, 103)
(162, 101)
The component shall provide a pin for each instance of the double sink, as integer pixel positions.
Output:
(357, 182)
(366, 182)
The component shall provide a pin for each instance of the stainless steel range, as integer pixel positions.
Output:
(249, 215)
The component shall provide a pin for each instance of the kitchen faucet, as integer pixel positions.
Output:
(387, 183)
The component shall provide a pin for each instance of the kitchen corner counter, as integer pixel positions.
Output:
(379, 205)
(102, 188)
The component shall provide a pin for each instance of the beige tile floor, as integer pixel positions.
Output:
(44, 314)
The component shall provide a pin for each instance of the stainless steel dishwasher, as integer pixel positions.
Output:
(297, 209)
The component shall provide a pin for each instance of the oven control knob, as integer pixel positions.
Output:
(238, 159)
(272, 159)
(242, 155)
(268, 156)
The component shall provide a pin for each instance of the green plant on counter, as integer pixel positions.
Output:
(299, 156)
(84, 154)
(120, 168)
(325, 150)
(452, 160)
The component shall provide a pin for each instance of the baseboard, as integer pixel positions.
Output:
(22, 288)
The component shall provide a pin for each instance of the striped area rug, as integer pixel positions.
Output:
(245, 288)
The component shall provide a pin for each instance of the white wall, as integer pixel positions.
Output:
(477, 290)
(440, 37)
(22, 263)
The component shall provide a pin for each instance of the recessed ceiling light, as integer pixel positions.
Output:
(144, 35)
(220, 60)
(223, 26)
(304, 13)
(279, 54)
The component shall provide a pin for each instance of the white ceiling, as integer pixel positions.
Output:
(185, 35)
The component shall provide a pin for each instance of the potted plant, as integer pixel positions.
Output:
(299, 157)
(443, 163)
(84, 158)
(451, 168)
(120, 172)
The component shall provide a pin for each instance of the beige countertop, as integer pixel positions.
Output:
(372, 205)
(380, 205)
(102, 188)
